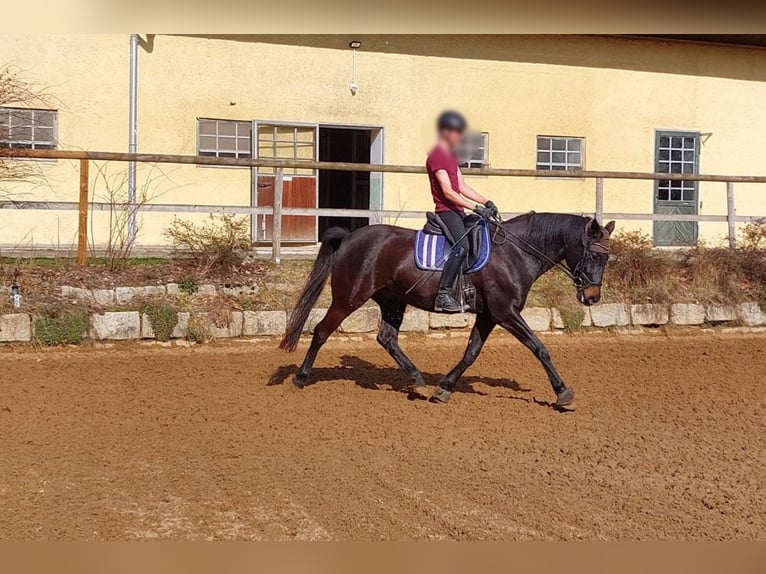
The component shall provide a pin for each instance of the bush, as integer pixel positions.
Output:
(640, 271)
(188, 285)
(223, 242)
(162, 317)
(754, 235)
(198, 331)
(62, 325)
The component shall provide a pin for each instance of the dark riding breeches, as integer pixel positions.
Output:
(454, 222)
(456, 226)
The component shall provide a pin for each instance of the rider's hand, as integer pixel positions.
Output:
(483, 212)
(493, 208)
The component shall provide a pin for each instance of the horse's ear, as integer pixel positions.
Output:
(593, 229)
(609, 227)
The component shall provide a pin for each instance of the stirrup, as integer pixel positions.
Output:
(446, 303)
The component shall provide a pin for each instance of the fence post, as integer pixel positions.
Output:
(276, 233)
(82, 226)
(731, 214)
(599, 199)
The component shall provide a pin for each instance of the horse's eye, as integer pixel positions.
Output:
(593, 257)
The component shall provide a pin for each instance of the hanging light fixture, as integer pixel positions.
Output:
(353, 86)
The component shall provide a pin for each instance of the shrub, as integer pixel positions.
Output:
(572, 317)
(222, 242)
(197, 331)
(189, 285)
(638, 270)
(754, 235)
(62, 325)
(162, 317)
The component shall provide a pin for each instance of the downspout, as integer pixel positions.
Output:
(132, 137)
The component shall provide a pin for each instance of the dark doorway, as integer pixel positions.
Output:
(344, 189)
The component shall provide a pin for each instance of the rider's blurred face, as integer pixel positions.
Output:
(453, 138)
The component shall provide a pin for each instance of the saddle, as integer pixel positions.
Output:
(434, 241)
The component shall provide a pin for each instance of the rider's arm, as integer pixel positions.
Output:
(468, 191)
(452, 195)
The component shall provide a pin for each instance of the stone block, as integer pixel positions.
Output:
(173, 290)
(124, 294)
(720, 313)
(415, 320)
(610, 314)
(181, 330)
(116, 326)
(751, 315)
(649, 314)
(315, 315)
(208, 290)
(233, 329)
(264, 323)
(449, 320)
(146, 327)
(362, 320)
(153, 291)
(103, 297)
(15, 327)
(538, 318)
(687, 314)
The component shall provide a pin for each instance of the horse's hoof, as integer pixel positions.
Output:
(565, 398)
(299, 382)
(417, 391)
(441, 395)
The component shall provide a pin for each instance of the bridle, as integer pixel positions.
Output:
(578, 275)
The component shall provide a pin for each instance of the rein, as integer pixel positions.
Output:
(578, 276)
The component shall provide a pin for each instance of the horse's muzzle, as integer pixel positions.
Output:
(590, 295)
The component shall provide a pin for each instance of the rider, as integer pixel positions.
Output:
(451, 196)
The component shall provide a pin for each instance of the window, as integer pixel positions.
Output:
(287, 141)
(223, 138)
(473, 152)
(676, 153)
(22, 128)
(560, 153)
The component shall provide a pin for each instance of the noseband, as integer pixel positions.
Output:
(579, 276)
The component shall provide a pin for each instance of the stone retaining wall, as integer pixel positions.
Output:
(132, 325)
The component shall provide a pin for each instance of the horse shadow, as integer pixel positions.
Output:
(376, 378)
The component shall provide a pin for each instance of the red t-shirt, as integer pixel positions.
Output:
(440, 159)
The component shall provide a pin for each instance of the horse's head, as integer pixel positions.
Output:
(588, 260)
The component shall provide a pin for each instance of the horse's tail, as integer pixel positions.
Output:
(313, 288)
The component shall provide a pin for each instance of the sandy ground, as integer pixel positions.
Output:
(213, 442)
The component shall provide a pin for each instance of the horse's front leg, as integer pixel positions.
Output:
(481, 330)
(516, 325)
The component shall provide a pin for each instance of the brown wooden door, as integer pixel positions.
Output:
(297, 191)
(288, 141)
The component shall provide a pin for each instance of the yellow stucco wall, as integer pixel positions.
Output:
(614, 92)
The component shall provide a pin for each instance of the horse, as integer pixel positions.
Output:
(377, 262)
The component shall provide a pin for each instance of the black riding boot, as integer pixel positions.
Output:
(444, 299)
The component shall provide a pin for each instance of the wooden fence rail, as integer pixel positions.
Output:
(277, 211)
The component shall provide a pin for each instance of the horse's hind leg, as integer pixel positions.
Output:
(392, 314)
(332, 320)
(481, 330)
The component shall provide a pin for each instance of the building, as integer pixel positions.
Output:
(564, 102)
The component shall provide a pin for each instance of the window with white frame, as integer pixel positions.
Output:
(224, 138)
(24, 128)
(474, 150)
(560, 153)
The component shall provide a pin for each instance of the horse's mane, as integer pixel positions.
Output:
(540, 228)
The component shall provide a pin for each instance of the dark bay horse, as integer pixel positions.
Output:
(377, 262)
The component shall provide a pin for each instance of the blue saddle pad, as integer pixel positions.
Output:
(432, 251)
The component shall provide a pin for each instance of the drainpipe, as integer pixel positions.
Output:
(132, 135)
